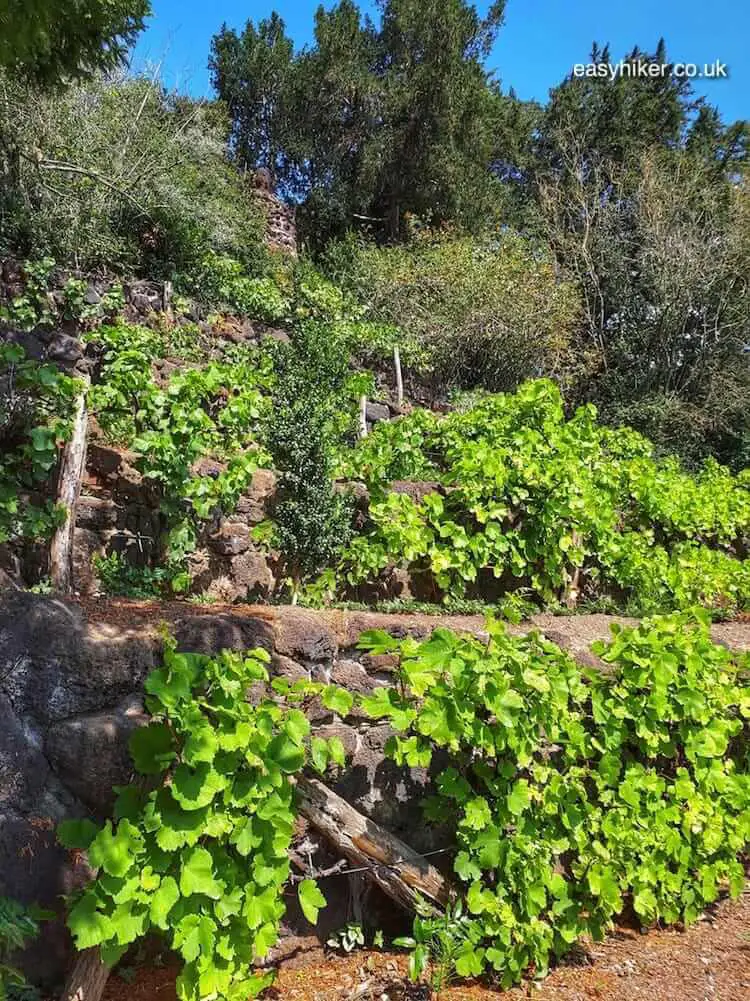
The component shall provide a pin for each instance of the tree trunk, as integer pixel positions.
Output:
(69, 486)
(87, 979)
(403, 874)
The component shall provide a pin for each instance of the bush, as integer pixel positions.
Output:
(17, 926)
(119, 578)
(121, 175)
(35, 409)
(659, 251)
(489, 313)
(312, 520)
(200, 852)
(222, 281)
(211, 411)
(573, 791)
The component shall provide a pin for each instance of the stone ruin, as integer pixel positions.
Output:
(281, 227)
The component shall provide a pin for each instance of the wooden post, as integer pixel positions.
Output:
(363, 417)
(167, 296)
(87, 979)
(402, 873)
(72, 466)
(399, 380)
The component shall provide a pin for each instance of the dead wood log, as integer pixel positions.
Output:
(398, 870)
(87, 979)
(69, 486)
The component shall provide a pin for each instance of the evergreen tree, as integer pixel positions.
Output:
(439, 109)
(313, 522)
(617, 118)
(374, 122)
(251, 72)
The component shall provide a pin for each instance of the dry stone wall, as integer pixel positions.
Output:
(71, 686)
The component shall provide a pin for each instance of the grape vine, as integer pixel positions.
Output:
(200, 850)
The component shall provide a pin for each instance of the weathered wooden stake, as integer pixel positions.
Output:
(572, 588)
(399, 379)
(72, 466)
(363, 417)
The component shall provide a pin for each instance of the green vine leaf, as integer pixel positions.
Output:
(311, 899)
(115, 851)
(197, 875)
(152, 748)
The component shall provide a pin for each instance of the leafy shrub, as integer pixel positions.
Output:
(572, 789)
(34, 422)
(214, 410)
(221, 280)
(532, 500)
(117, 173)
(486, 313)
(117, 577)
(311, 519)
(659, 260)
(37, 308)
(203, 856)
(17, 926)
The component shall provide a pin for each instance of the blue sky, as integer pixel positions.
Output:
(536, 48)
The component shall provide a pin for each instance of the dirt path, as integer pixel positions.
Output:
(709, 962)
(573, 632)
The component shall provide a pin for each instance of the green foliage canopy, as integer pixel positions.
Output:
(49, 42)
(395, 105)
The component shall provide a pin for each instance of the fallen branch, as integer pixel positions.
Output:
(71, 168)
(401, 872)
